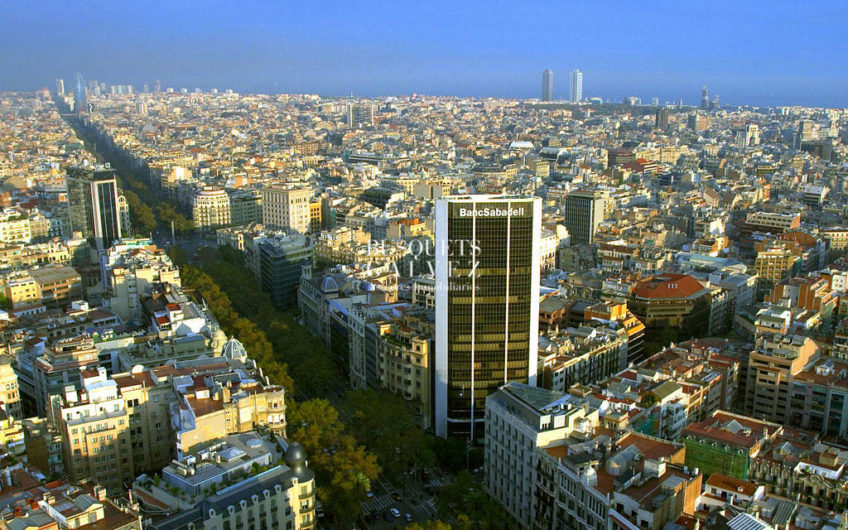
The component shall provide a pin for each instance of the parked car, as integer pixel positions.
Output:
(395, 512)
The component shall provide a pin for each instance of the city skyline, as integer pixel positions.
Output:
(441, 50)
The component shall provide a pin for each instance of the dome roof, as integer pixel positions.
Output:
(233, 349)
(295, 457)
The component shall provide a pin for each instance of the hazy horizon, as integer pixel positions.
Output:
(743, 52)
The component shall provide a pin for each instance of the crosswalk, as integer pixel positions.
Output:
(435, 483)
(378, 503)
(430, 506)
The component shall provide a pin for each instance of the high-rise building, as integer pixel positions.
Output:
(93, 204)
(488, 266)
(157, 86)
(80, 104)
(360, 114)
(661, 119)
(60, 86)
(284, 207)
(548, 85)
(584, 211)
(705, 98)
(576, 94)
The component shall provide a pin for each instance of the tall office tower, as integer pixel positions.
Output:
(661, 121)
(284, 207)
(576, 94)
(715, 104)
(548, 85)
(80, 104)
(93, 204)
(584, 211)
(360, 114)
(705, 98)
(60, 86)
(488, 265)
(157, 86)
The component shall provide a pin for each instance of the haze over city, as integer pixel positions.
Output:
(433, 266)
(747, 52)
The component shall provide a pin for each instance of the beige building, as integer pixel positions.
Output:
(772, 367)
(133, 269)
(775, 263)
(59, 284)
(403, 362)
(284, 207)
(236, 483)
(95, 427)
(21, 290)
(210, 208)
(148, 400)
(10, 397)
(15, 229)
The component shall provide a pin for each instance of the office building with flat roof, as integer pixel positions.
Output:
(487, 304)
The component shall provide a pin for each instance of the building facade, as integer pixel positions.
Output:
(487, 303)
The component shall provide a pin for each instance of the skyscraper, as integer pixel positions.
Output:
(576, 94)
(360, 114)
(705, 98)
(93, 204)
(60, 86)
(584, 211)
(157, 86)
(80, 104)
(548, 85)
(661, 121)
(487, 304)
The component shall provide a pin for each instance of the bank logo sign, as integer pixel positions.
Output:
(491, 212)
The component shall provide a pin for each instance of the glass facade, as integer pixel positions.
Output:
(490, 304)
(93, 205)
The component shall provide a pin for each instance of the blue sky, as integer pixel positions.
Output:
(763, 53)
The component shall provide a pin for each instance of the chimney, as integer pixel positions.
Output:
(99, 492)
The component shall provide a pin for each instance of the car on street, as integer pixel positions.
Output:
(388, 517)
(408, 517)
(395, 512)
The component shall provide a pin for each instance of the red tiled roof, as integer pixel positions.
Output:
(667, 286)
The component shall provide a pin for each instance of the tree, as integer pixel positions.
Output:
(429, 525)
(385, 424)
(473, 509)
(344, 469)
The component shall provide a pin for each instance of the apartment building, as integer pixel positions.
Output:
(210, 208)
(551, 465)
(133, 270)
(245, 207)
(95, 428)
(286, 208)
(236, 483)
(10, 396)
(582, 355)
(771, 369)
(60, 366)
(727, 443)
(404, 357)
